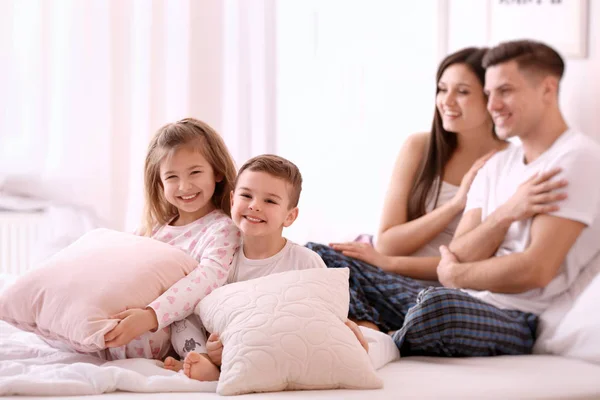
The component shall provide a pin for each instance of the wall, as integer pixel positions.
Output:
(351, 87)
(353, 80)
(580, 91)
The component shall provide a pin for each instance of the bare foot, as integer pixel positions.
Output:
(367, 324)
(199, 367)
(173, 364)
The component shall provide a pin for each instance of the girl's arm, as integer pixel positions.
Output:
(180, 300)
(397, 237)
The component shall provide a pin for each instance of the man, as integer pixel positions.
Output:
(531, 224)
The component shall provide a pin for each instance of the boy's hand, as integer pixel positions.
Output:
(134, 322)
(359, 335)
(214, 349)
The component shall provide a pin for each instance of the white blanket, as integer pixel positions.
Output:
(29, 366)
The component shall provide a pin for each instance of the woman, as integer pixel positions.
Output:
(425, 199)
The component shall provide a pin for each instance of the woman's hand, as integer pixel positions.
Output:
(460, 198)
(133, 323)
(364, 252)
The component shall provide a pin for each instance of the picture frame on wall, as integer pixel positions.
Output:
(562, 24)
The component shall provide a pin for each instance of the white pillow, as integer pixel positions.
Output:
(287, 331)
(578, 334)
(562, 327)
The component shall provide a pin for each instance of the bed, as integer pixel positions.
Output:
(28, 366)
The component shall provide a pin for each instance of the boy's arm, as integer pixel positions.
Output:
(551, 239)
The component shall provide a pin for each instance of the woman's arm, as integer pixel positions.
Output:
(424, 268)
(397, 237)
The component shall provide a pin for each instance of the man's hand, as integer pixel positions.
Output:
(537, 195)
(364, 252)
(447, 268)
(214, 349)
(133, 323)
(358, 333)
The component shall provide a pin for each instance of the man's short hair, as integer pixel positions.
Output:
(278, 167)
(531, 56)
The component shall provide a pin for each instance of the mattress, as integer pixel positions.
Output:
(509, 377)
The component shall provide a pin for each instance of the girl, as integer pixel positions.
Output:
(188, 176)
(425, 199)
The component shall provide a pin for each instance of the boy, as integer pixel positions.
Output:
(263, 202)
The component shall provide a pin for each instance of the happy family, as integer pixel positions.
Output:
(478, 235)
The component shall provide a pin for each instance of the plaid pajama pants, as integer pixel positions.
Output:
(432, 321)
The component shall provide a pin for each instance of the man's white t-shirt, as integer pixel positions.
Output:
(292, 257)
(499, 179)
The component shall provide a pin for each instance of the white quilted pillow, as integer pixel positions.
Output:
(287, 331)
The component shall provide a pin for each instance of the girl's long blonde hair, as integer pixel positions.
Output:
(187, 132)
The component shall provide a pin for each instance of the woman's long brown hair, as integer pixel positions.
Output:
(442, 143)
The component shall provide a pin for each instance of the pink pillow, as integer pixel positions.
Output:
(70, 297)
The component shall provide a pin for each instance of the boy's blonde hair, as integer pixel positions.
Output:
(278, 167)
(203, 138)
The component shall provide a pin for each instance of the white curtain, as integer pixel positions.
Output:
(85, 84)
(355, 78)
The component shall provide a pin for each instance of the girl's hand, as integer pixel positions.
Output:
(364, 252)
(214, 349)
(134, 323)
(359, 335)
(460, 199)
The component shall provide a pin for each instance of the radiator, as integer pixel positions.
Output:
(18, 235)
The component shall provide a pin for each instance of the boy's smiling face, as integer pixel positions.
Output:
(260, 204)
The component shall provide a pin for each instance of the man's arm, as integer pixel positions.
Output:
(551, 240)
(475, 240)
